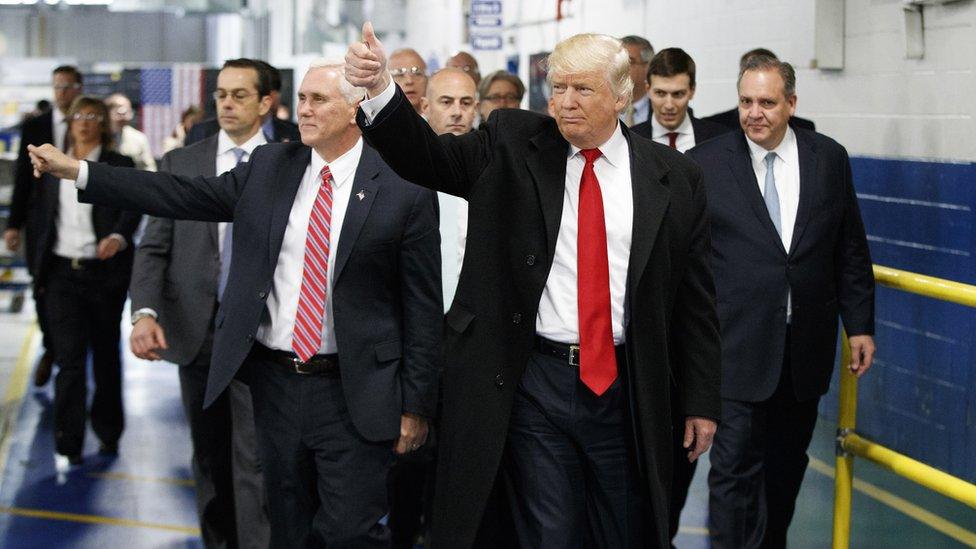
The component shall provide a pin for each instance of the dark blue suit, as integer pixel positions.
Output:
(387, 306)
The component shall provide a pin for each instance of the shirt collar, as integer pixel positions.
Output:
(59, 116)
(225, 144)
(615, 149)
(641, 104)
(93, 155)
(657, 130)
(783, 150)
(341, 167)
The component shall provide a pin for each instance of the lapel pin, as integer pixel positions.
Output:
(361, 194)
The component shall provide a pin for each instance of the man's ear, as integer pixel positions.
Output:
(424, 105)
(265, 107)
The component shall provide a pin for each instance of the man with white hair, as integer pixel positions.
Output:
(331, 310)
(571, 330)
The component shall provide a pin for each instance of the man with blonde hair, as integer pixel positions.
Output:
(584, 306)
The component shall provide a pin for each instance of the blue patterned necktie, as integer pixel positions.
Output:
(227, 242)
(770, 196)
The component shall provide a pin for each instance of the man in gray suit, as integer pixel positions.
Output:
(178, 278)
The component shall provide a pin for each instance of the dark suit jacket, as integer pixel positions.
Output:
(178, 262)
(285, 131)
(730, 119)
(827, 268)
(23, 203)
(386, 287)
(106, 220)
(512, 173)
(703, 129)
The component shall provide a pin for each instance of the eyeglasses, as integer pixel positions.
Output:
(237, 96)
(407, 72)
(63, 87)
(499, 98)
(87, 117)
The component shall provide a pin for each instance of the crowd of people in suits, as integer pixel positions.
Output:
(637, 286)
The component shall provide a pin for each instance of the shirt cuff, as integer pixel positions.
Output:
(146, 311)
(124, 243)
(82, 180)
(372, 106)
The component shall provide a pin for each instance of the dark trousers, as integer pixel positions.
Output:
(326, 485)
(570, 462)
(682, 473)
(210, 432)
(758, 461)
(40, 305)
(84, 314)
(410, 487)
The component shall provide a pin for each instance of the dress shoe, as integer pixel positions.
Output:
(42, 373)
(108, 449)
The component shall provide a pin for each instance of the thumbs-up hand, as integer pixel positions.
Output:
(366, 63)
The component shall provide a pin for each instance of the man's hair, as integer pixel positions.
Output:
(647, 50)
(754, 52)
(487, 81)
(592, 53)
(672, 62)
(274, 74)
(264, 77)
(69, 70)
(351, 93)
(105, 127)
(766, 63)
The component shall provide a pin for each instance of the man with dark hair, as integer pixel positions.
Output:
(790, 256)
(640, 51)
(269, 83)
(175, 291)
(730, 118)
(48, 127)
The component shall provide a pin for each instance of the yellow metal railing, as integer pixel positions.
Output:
(850, 444)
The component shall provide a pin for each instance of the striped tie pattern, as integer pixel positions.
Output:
(307, 337)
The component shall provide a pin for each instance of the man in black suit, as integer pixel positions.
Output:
(179, 270)
(337, 334)
(568, 325)
(82, 262)
(49, 127)
(671, 86)
(275, 129)
(730, 118)
(789, 254)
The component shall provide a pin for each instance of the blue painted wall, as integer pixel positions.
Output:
(920, 397)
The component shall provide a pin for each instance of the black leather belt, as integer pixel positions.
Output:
(318, 365)
(76, 264)
(568, 352)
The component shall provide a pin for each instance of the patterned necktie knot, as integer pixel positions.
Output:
(590, 155)
(238, 155)
(325, 173)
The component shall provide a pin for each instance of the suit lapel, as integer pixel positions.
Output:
(547, 164)
(651, 199)
(366, 186)
(740, 163)
(207, 167)
(284, 188)
(809, 188)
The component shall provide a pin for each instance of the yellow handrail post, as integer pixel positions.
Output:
(844, 477)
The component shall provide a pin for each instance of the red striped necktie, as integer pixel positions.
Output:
(598, 361)
(307, 337)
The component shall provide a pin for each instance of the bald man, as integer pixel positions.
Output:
(409, 71)
(450, 103)
(467, 63)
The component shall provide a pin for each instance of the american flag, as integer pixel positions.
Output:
(166, 93)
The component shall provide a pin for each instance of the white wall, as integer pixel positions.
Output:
(880, 104)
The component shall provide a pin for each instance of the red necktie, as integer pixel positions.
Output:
(598, 362)
(307, 337)
(673, 140)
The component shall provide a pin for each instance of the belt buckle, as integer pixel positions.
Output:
(76, 264)
(574, 355)
(300, 366)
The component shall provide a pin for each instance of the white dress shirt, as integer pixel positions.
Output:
(74, 232)
(226, 161)
(278, 324)
(558, 316)
(135, 144)
(685, 131)
(786, 172)
(59, 127)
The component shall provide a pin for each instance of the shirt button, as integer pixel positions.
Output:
(530, 260)
(516, 318)
(499, 381)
